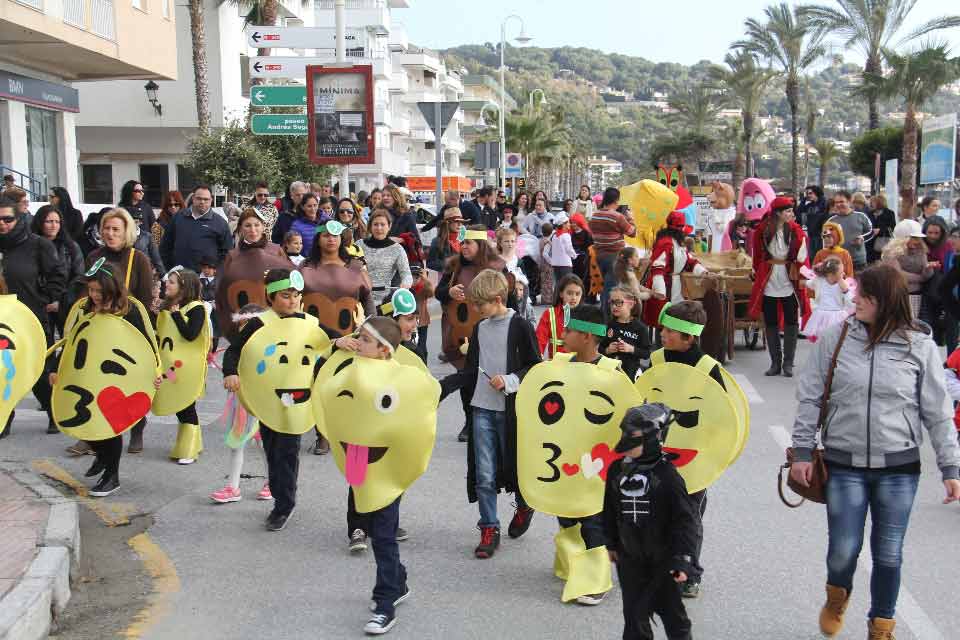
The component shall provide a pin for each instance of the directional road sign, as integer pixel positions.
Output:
(447, 109)
(302, 37)
(293, 95)
(289, 66)
(279, 124)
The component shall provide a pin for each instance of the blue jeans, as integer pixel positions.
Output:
(605, 262)
(391, 574)
(889, 497)
(489, 444)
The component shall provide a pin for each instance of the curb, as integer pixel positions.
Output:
(29, 611)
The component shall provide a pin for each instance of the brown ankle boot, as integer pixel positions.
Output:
(831, 615)
(136, 438)
(881, 629)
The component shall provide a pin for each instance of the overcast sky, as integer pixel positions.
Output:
(660, 30)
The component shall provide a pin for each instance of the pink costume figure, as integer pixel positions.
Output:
(756, 195)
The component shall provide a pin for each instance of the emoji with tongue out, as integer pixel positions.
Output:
(183, 363)
(568, 422)
(22, 345)
(276, 371)
(707, 433)
(380, 417)
(105, 377)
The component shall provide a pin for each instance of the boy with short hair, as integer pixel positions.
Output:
(501, 350)
(208, 294)
(650, 526)
(681, 325)
(403, 308)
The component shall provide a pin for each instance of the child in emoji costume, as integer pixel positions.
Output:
(183, 333)
(569, 293)
(650, 526)
(21, 355)
(381, 417)
(709, 408)
(272, 364)
(569, 414)
(106, 372)
(668, 260)
(502, 349)
(403, 308)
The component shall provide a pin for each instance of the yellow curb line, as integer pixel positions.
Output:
(164, 576)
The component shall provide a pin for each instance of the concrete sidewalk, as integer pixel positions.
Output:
(39, 547)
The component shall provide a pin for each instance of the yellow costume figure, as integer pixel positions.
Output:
(183, 364)
(22, 346)
(380, 417)
(283, 351)
(568, 422)
(106, 373)
(711, 424)
(651, 203)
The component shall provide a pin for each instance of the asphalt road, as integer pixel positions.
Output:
(764, 563)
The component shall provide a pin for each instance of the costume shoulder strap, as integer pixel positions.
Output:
(185, 309)
(657, 357)
(706, 364)
(608, 364)
(563, 357)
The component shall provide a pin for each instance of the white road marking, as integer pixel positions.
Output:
(753, 396)
(909, 612)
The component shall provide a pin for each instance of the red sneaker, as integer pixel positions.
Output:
(489, 541)
(520, 522)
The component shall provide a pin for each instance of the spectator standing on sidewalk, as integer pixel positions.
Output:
(196, 231)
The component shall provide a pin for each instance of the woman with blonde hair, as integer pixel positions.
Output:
(404, 228)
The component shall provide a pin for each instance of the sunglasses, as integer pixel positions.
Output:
(138, 190)
(8, 219)
(350, 211)
(617, 303)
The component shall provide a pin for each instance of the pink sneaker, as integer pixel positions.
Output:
(225, 495)
(265, 493)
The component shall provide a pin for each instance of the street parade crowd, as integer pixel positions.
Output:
(609, 409)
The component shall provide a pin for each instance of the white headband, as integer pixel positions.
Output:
(366, 326)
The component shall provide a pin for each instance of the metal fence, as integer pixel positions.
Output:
(102, 19)
(73, 13)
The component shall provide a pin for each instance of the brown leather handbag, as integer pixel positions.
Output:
(817, 491)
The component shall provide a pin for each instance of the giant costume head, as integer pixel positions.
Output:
(756, 196)
(22, 345)
(651, 203)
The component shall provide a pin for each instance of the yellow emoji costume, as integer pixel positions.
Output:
(651, 203)
(568, 422)
(22, 346)
(106, 373)
(183, 364)
(380, 417)
(276, 371)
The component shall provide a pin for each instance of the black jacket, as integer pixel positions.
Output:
(471, 211)
(187, 239)
(32, 270)
(634, 333)
(691, 357)
(648, 518)
(281, 226)
(71, 258)
(522, 353)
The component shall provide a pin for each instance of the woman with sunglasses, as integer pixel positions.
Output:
(346, 214)
(263, 204)
(32, 270)
(131, 199)
(171, 205)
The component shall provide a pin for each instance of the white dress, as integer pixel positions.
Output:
(832, 306)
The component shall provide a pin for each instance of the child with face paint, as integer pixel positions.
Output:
(284, 294)
(501, 350)
(681, 324)
(581, 337)
(106, 294)
(650, 526)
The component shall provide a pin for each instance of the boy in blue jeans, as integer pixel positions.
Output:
(501, 350)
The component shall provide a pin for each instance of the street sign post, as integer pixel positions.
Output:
(514, 168)
(303, 38)
(278, 96)
(438, 116)
(290, 124)
(293, 66)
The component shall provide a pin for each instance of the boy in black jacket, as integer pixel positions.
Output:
(650, 526)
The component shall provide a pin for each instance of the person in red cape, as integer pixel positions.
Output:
(668, 260)
(779, 250)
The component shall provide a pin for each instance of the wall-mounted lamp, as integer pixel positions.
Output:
(151, 88)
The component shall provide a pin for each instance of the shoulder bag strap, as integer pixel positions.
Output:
(126, 282)
(827, 386)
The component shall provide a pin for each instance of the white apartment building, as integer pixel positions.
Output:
(126, 138)
(49, 48)
(602, 171)
(481, 99)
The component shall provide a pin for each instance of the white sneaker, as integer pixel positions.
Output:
(186, 460)
(406, 594)
(379, 624)
(591, 600)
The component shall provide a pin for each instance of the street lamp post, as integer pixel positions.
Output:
(543, 98)
(483, 123)
(523, 38)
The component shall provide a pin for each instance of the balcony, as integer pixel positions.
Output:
(401, 124)
(421, 59)
(423, 169)
(382, 68)
(382, 114)
(398, 41)
(421, 94)
(399, 81)
(373, 14)
(421, 134)
(453, 82)
(454, 145)
(82, 40)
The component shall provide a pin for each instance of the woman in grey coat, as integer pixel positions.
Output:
(888, 381)
(386, 260)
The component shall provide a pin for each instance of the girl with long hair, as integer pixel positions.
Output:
(553, 321)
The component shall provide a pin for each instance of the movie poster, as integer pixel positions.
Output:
(340, 108)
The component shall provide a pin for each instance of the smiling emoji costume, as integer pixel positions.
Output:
(21, 353)
(568, 423)
(380, 417)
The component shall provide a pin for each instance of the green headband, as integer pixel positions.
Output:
(683, 326)
(295, 281)
(98, 266)
(332, 227)
(587, 327)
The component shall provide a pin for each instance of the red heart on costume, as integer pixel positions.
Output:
(4, 343)
(551, 408)
(570, 469)
(603, 452)
(121, 410)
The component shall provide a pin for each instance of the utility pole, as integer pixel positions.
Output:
(340, 19)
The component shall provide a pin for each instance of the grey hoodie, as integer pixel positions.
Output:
(878, 401)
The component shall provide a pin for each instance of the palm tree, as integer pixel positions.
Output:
(827, 152)
(198, 40)
(871, 26)
(746, 81)
(789, 41)
(696, 108)
(538, 137)
(914, 77)
(810, 131)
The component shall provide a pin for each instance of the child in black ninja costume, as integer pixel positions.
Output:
(650, 526)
